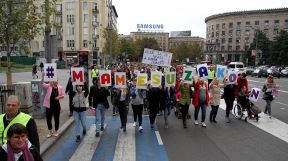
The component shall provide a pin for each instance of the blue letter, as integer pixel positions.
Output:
(220, 72)
(203, 71)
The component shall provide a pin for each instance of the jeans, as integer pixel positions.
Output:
(184, 110)
(100, 112)
(123, 113)
(115, 109)
(229, 104)
(203, 109)
(167, 110)
(268, 107)
(137, 112)
(213, 113)
(80, 118)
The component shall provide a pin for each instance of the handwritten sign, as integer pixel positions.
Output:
(141, 81)
(120, 79)
(77, 75)
(170, 79)
(105, 78)
(155, 57)
(156, 79)
(50, 72)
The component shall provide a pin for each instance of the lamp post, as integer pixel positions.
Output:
(110, 32)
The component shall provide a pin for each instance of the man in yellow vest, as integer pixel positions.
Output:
(12, 116)
(94, 74)
(211, 75)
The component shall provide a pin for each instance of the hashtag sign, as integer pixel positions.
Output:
(50, 72)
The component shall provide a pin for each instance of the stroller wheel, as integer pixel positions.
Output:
(245, 119)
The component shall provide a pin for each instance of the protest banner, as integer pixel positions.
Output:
(202, 71)
(77, 75)
(50, 72)
(141, 81)
(221, 71)
(170, 79)
(105, 78)
(157, 58)
(120, 79)
(188, 72)
(231, 77)
(156, 79)
(255, 93)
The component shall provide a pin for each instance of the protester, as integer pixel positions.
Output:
(184, 101)
(200, 100)
(268, 87)
(54, 93)
(80, 106)
(154, 103)
(34, 71)
(211, 75)
(18, 147)
(215, 97)
(115, 96)
(123, 108)
(41, 66)
(229, 97)
(98, 100)
(12, 116)
(137, 105)
(70, 91)
(94, 74)
(168, 96)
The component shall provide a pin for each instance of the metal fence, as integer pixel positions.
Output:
(4, 93)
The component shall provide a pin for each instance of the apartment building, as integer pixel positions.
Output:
(161, 38)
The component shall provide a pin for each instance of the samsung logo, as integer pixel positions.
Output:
(151, 26)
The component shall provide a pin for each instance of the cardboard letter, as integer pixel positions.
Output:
(77, 75)
(202, 71)
(156, 79)
(141, 81)
(120, 79)
(221, 71)
(170, 79)
(105, 77)
(255, 92)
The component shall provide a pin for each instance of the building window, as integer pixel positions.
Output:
(94, 43)
(266, 24)
(237, 48)
(58, 7)
(85, 30)
(217, 33)
(85, 5)
(223, 25)
(222, 48)
(247, 23)
(212, 34)
(59, 20)
(70, 43)
(286, 23)
(238, 27)
(70, 18)
(230, 25)
(266, 31)
(238, 41)
(217, 27)
(70, 6)
(230, 33)
(230, 40)
(276, 31)
(71, 31)
(247, 33)
(223, 41)
(247, 40)
(212, 27)
(257, 23)
(229, 48)
(276, 24)
(85, 43)
(85, 18)
(238, 33)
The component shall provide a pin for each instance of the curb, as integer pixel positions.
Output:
(49, 142)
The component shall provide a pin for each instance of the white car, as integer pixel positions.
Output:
(238, 67)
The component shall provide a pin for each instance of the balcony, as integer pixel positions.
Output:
(58, 12)
(95, 10)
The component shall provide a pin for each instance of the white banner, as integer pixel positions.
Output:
(155, 57)
(50, 72)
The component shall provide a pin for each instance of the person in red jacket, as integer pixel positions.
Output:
(242, 83)
(200, 100)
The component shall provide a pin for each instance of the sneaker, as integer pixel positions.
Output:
(196, 122)
(214, 121)
(124, 128)
(84, 132)
(114, 114)
(102, 128)
(203, 124)
(97, 134)
(134, 124)
(55, 134)
(227, 120)
(78, 138)
(70, 114)
(166, 126)
(49, 135)
(140, 128)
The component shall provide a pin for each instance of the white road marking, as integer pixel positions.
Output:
(126, 145)
(282, 103)
(158, 138)
(86, 149)
(272, 126)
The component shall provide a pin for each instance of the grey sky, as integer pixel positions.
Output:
(181, 14)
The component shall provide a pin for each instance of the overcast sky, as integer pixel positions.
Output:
(178, 15)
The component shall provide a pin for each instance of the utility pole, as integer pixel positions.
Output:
(110, 33)
(47, 33)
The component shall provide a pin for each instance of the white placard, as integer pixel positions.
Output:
(155, 57)
(105, 78)
(141, 81)
(231, 77)
(255, 93)
(188, 73)
(77, 75)
(221, 71)
(202, 71)
(120, 79)
(50, 72)
(156, 79)
(170, 79)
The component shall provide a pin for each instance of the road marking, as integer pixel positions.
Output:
(86, 149)
(281, 103)
(272, 126)
(158, 138)
(126, 145)
(250, 80)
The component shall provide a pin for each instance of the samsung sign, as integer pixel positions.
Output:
(150, 26)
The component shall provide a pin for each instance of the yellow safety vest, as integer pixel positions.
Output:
(21, 118)
(94, 73)
(211, 74)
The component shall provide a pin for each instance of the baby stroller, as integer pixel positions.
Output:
(244, 104)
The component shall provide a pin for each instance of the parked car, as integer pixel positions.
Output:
(237, 67)
(250, 70)
(284, 72)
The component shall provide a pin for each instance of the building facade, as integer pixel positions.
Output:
(229, 35)
(174, 42)
(161, 38)
(79, 27)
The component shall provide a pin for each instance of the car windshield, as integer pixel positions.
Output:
(231, 66)
(239, 66)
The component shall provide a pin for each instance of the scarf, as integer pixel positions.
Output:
(27, 156)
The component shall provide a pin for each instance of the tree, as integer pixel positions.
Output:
(184, 50)
(279, 55)
(115, 46)
(19, 23)
(140, 44)
(126, 46)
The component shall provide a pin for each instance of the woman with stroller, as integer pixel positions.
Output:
(267, 89)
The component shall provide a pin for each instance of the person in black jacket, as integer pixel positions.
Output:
(18, 146)
(229, 97)
(98, 100)
(69, 90)
(154, 103)
(13, 112)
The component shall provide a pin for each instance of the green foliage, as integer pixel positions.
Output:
(140, 44)
(126, 46)
(115, 46)
(279, 56)
(183, 51)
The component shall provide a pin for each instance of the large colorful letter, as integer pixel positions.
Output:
(156, 79)
(255, 92)
(170, 79)
(141, 81)
(77, 75)
(232, 77)
(50, 72)
(221, 71)
(202, 71)
(120, 79)
(105, 77)
(187, 75)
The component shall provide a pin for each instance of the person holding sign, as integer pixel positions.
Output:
(184, 101)
(54, 93)
(123, 107)
(229, 97)
(137, 105)
(215, 96)
(154, 103)
(168, 96)
(98, 100)
(267, 89)
(200, 100)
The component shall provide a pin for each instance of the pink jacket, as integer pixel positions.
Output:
(48, 88)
